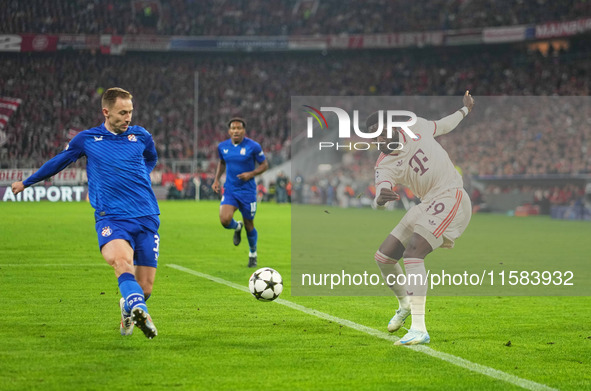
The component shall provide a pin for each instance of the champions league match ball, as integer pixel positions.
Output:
(265, 284)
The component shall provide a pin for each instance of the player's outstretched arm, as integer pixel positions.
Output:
(449, 123)
(52, 166)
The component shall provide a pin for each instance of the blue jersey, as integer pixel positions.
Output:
(118, 169)
(240, 158)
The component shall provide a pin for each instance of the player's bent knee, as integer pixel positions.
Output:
(248, 225)
(418, 247)
(392, 247)
(121, 265)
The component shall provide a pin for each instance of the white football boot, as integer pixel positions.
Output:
(126, 326)
(414, 337)
(398, 319)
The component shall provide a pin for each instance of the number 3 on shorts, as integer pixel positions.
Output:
(157, 243)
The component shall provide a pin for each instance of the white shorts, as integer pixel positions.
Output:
(440, 221)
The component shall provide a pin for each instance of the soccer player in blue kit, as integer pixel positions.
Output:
(120, 158)
(238, 156)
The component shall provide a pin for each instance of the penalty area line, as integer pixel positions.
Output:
(449, 358)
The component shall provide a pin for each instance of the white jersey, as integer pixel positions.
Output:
(422, 165)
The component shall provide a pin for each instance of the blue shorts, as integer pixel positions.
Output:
(141, 233)
(247, 203)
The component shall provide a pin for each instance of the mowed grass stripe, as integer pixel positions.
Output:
(454, 360)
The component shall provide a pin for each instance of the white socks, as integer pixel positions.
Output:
(416, 286)
(390, 271)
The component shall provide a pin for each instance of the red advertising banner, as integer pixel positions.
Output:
(39, 43)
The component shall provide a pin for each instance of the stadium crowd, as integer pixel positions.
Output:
(60, 93)
(280, 17)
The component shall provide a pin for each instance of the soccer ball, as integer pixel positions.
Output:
(265, 284)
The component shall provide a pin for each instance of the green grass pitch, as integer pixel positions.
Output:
(59, 314)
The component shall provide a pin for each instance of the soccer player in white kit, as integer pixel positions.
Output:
(424, 167)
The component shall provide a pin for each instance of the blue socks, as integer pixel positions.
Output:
(132, 292)
(253, 237)
(233, 225)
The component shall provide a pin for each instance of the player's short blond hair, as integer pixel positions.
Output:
(111, 95)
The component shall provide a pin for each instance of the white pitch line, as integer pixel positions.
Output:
(449, 358)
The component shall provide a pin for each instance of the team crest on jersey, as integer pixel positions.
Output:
(132, 137)
(107, 231)
(243, 151)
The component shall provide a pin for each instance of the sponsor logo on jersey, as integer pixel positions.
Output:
(98, 138)
(132, 138)
(107, 231)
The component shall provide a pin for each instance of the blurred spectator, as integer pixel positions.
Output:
(289, 189)
(281, 187)
(261, 191)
